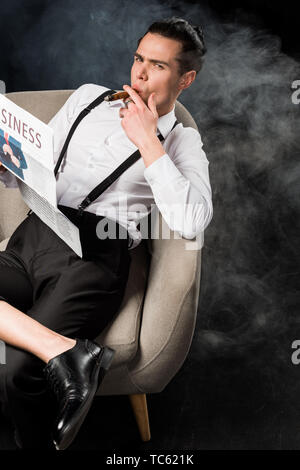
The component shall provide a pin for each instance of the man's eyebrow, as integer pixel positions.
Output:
(155, 61)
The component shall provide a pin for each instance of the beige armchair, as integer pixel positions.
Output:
(153, 330)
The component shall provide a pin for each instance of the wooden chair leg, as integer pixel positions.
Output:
(139, 406)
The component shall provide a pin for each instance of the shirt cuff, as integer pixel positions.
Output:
(161, 171)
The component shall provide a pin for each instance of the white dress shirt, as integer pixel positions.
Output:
(177, 183)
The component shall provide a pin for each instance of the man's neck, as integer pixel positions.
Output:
(165, 110)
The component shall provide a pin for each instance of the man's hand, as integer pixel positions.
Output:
(139, 121)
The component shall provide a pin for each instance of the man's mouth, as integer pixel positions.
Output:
(135, 88)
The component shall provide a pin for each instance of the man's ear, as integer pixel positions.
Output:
(187, 79)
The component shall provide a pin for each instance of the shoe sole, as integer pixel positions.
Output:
(79, 417)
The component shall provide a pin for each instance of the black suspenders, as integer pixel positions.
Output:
(98, 190)
(81, 115)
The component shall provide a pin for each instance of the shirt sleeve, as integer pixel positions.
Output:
(181, 186)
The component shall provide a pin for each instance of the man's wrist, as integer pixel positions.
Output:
(151, 150)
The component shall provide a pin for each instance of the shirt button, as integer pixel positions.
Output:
(107, 141)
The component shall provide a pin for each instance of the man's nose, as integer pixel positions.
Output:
(142, 72)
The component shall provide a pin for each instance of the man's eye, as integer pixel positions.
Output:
(159, 66)
(137, 58)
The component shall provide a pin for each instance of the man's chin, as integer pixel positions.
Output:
(143, 97)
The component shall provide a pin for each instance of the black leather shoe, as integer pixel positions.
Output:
(74, 376)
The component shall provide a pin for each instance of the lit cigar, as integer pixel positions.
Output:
(117, 96)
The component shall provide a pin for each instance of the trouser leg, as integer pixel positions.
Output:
(15, 286)
(26, 399)
(19, 367)
(73, 298)
(73, 309)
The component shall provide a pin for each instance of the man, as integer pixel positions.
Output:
(68, 299)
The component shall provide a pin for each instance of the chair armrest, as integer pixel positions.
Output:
(169, 314)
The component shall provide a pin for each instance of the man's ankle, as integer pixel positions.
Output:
(61, 345)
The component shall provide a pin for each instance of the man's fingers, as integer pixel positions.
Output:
(128, 101)
(152, 104)
(122, 112)
(135, 96)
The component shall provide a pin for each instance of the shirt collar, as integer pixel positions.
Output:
(164, 124)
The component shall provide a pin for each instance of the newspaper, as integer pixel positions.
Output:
(27, 151)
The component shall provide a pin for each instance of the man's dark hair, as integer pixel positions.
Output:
(191, 38)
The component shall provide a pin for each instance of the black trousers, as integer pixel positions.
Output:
(42, 276)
